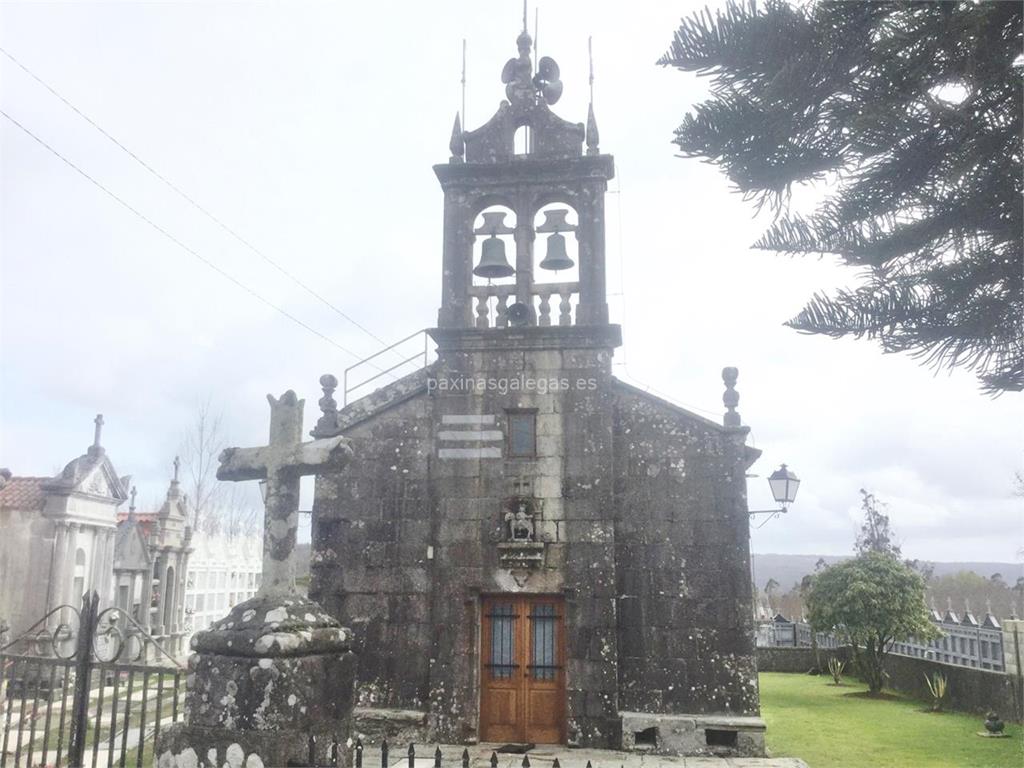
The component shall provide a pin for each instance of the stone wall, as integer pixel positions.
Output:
(683, 562)
(640, 515)
(800, 660)
(970, 690)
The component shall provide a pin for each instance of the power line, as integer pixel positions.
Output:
(185, 196)
(175, 240)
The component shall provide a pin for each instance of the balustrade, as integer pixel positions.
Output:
(553, 304)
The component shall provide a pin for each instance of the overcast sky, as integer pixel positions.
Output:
(311, 130)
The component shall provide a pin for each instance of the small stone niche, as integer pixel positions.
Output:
(646, 739)
(719, 737)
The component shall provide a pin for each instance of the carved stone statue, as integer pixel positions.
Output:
(520, 523)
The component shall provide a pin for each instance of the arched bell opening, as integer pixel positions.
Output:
(556, 248)
(494, 259)
(556, 272)
(494, 246)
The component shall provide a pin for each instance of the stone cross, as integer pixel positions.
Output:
(281, 463)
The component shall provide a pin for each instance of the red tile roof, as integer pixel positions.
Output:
(23, 493)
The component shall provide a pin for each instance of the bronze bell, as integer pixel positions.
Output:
(492, 260)
(556, 258)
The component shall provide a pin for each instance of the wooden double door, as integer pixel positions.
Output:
(522, 691)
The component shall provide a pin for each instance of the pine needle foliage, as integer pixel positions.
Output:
(912, 112)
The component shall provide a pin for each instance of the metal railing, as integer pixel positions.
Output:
(347, 389)
(963, 645)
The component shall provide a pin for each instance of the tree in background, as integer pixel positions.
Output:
(770, 588)
(214, 509)
(871, 601)
(913, 111)
(875, 533)
(968, 587)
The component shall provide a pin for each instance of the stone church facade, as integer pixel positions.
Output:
(527, 548)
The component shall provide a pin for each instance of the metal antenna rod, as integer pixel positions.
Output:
(536, 60)
(463, 83)
(590, 55)
(536, 38)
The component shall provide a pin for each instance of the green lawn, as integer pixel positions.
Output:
(834, 727)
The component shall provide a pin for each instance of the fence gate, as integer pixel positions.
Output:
(76, 690)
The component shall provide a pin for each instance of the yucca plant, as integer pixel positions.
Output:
(937, 686)
(835, 668)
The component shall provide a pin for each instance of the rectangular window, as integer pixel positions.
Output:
(522, 434)
(542, 620)
(503, 651)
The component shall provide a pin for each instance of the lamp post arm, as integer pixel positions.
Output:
(780, 510)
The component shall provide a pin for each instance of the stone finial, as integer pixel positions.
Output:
(457, 145)
(517, 73)
(131, 503)
(593, 137)
(96, 449)
(731, 398)
(328, 405)
(174, 491)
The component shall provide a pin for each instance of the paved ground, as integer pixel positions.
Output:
(544, 757)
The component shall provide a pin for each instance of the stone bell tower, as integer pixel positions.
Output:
(503, 203)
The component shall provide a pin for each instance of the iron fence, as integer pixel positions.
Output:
(410, 757)
(79, 693)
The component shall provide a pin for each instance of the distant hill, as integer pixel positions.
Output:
(787, 570)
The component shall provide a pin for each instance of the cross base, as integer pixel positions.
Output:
(273, 681)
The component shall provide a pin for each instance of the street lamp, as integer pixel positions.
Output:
(784, 485)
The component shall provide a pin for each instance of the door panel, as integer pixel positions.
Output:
(522, 696)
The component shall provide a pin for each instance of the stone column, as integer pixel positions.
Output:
(92, 564)
(593, 306)
(67, 588)
(524, 238)
(161, 576)
(457, 262)
(58, 571)
(109, 586)
(132, 583)
(145, 619)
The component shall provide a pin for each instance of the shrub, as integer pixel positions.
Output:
(835, 668)
(937, 686)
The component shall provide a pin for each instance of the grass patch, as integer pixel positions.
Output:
(833, 727)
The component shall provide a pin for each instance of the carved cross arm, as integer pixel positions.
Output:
(314, 457)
